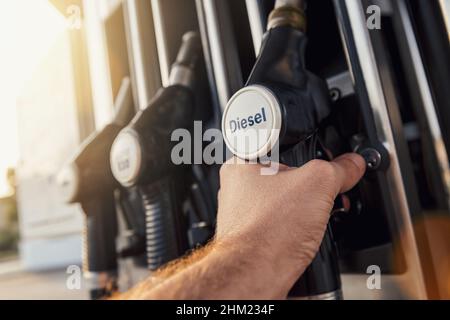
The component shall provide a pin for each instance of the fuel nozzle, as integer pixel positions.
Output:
(141, 155)
(182, 71)
(279, 113)
(288, 13)
(87, 179)
(141, 152)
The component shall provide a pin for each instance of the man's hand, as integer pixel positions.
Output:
(283, 217)
(269, 229)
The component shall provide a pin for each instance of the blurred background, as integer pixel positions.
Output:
(46, 111)
(62, 63)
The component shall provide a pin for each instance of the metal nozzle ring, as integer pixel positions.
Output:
(287, 16)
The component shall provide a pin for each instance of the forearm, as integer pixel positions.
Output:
(228, 271)
(164, 273)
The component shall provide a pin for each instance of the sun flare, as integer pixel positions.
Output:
(28, 28)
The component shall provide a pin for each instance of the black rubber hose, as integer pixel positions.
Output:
(164, 237)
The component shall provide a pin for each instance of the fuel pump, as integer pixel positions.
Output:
(285, 107)
(87, 179)
(141, 157)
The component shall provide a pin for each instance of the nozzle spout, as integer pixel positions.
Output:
(182, 71)
(288, 13)
(300, 4)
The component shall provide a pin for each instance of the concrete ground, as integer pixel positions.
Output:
(17, 284)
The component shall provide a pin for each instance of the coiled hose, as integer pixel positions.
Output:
(163, 224)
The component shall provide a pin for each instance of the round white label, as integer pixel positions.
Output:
(126, 158)
(251, 122)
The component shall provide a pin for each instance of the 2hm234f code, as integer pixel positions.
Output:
(231, 309)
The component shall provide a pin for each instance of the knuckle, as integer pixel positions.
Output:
(353, 169)
(323, 171)
(319, 165)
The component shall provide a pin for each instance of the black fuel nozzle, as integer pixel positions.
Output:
(182, 70)
(87, 179)
(141, 156)
(279, 113)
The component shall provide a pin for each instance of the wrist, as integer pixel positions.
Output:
(270, 271)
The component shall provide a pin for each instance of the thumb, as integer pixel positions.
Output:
(349, 169)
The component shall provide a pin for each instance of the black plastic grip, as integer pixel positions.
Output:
(190, 50)
(305, 104)
(322, 276)
(99, 247)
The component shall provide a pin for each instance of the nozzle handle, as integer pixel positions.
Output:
(190, 49)
(321, 279)
(124, 104)
(182, 72)
(99, 244)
